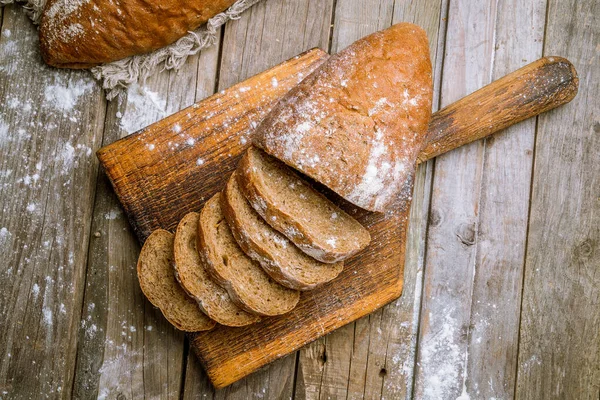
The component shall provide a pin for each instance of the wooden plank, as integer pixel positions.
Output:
(50, 126)
(126, 347)
(450, 263)
(502, 218)
(374, 357)
(272, 32)
(559, 352)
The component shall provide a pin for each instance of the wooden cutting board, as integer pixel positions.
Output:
(173, 166)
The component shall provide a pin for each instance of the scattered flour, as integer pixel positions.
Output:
(441, 358)
(31, 207)
(112, 214)
(199, 161)
(35, 290)
(3, 132)
(4, 236)
(63, 96)
(47, 316)
(143, 108)
(69, 156)
(274, 82)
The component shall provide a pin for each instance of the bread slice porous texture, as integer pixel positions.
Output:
(244, 279)
(278, 256)
(191, 273)
(357, 124)
(157, 280)
(291, 206)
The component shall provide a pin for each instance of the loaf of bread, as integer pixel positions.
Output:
(191, 274)
(279, 257)
(83, 33)
(357, 123)
(243, 278)
(291, 206)
(157, 280)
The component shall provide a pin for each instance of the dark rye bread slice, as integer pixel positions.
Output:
(290, 205)
(357, 124)
(279, 257)
(191, 274)
(157, 280)
(246, 282)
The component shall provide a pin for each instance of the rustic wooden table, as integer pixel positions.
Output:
(502, 277)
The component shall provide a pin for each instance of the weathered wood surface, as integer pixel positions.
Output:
(559, 351)
(569, 307)
(47, 186)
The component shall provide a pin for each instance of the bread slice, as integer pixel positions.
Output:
(291, 206)
(157, 280)
(246, 282)
(191, 274)
(357, 124)
(279, 257)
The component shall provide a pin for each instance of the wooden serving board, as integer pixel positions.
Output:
(173, 166)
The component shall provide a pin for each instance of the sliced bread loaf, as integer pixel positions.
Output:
(291, 206)
(191, 274)
(279, 257)
(246, 282)
(157, 280)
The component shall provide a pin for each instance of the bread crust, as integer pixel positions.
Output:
(200, 322)
(84, 33)
(204, 249)
(288, 224)
(357, 123)
(259, 252)
(213, 300)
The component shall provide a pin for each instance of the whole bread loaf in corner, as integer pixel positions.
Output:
(278, 256)
(358, 122)
(84, 33)
(157, 280)
(245, 280)
(291, 206)
(191, 274)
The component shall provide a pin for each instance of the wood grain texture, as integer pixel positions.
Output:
(47, 185)
(503, 213)
(125, 343)
(541, 86)
(559, 352)
(450, 254)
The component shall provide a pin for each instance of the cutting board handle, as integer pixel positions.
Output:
(537, 87)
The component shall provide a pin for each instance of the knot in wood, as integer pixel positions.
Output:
(465, 232)
(584, 250)
(435, 217)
